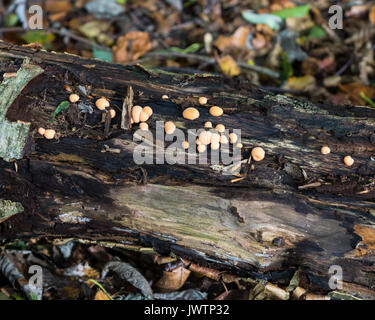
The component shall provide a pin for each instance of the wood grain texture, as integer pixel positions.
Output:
(264, 226)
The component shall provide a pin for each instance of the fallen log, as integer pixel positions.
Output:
(297, 209)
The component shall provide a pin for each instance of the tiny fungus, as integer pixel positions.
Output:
(216, 111)
(165, 97)
(112, 113)
(220, 128)
(223, 139)
(258, 154)
(190, 113)
(239, 145)
(68, 88)
(215, 138)
(185, 145)
(136, 112)
(41, 131)
(73, 98)
(348, 160)
(208, 125)
(202, 148)
(170, 127)
(148, 110)
(203, 100)
(143, 116)
(325, 150)
(143, 126)
(215, 145)
(205, 137)
(233, 138)
(49, 134)
(102, 103)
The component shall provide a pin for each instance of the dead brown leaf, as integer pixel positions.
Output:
(131, 46)
(353, 92)
(236, 40)
(229, 66)
(57, 6)
(100, 295)
(173, 280)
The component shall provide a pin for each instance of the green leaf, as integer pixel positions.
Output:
(367, 99)
(190, 49)
(286, 67)
(295, 12)
(101, 288)
(121, 1)
(62, 107)
(11, 20)
(18, 245)
(104, 55)
(316, 32)
(270, 20)
(40, 36)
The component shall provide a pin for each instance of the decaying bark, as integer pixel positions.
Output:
(297, 209)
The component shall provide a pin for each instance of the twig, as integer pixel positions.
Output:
(164, 55)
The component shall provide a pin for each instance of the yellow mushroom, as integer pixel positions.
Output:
(41, 131)
(102, 103)
(205, 137)
(112, 113)
(190, 113)
(165, 97)
(208, 125)
(203, 100)
(325, 150)
(239, 145)
(143, 126)
(220, 128)
(143, 116)
(215, 145)
(73, 98)
(170, 127)
(185, 145)
(258, 154)
(216, 111)
(148, 111)
(348, 160)
(224, 139)
(202, 148)
(233, 138)
(49, 134)
(136, 112)
(215, 138)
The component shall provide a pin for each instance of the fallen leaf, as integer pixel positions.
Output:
(57, 6)
(305, 83)
(372, 15)
(100, 295)
(229, 66)
(173, 280)
(131, 46)
(355, 90)
(236, 40)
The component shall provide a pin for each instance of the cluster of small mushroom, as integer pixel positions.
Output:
(210, 136)
(48, 134)
(103, 104)
(141, 115)
(348, 160)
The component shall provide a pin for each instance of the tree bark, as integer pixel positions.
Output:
(297, 209)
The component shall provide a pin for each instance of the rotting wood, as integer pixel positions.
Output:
(189, 209)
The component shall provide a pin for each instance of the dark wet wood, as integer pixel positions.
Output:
(264, 226)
